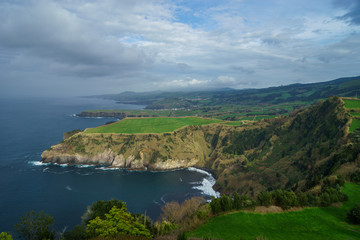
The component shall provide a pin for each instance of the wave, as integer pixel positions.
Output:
(206, 186)
(68, 188)
(38, 163)
(107, 168)
(84, 166)
(199, 171)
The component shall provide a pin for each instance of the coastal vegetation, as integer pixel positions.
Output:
(308, 223)
(227, 217)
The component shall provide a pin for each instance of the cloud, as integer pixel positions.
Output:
(111, 46)
(187, 82)
(353, 8)
(47, 30)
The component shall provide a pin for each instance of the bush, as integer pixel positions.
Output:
(117, 222)
(354, 214)
(78, 233)
(181, 236)
(36, 226)
(5, 236)
(100, 208)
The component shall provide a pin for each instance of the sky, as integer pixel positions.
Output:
(78, 47)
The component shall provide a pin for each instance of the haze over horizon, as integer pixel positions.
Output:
(72, 48)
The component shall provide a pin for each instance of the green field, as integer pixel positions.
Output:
(355, 114)
(354, 124)
(150, 125)
(310, 223)
(352, 103)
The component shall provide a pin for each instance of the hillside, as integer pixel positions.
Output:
(345, 87)
(294, 151)
(229, 104)
(309, 223)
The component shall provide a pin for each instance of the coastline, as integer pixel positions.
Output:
(205, 186)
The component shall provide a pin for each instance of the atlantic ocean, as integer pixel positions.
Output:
(31, 125)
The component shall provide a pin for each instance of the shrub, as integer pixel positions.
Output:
(181, 236)
(100, 208)
(117, 222)
(36, 226)
(5, 236)
(354, 214)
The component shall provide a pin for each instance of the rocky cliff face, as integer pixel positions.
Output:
(181, 149)
(291, 152)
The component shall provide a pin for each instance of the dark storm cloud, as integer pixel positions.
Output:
(353, 7)
(49, 31)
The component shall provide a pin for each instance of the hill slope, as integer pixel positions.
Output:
(287, 152)
(311, 223)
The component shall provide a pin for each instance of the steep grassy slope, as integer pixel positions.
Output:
(312, 223)
(353, 105)
(290, 152)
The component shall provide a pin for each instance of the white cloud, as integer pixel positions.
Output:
(144, 45)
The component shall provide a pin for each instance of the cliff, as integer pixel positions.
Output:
(293, 152)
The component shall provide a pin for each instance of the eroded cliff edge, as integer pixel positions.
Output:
(180, 149)
(291, 152)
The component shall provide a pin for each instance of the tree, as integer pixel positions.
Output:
(354, 214)
(264, 199)
(116, 222)
(5, 236)
(35, 226)
(100, 208)
(215, 205)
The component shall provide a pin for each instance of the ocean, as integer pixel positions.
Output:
(30, 126)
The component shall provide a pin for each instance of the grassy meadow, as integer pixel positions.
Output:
(310, 223)
(150, 125)
(352, 103)
(354, 124)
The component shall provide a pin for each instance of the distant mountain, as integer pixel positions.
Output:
(345, 87)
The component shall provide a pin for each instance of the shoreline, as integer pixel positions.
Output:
(205, 186)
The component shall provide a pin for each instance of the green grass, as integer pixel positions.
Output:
(310, 223)
(352, 103)
(354, 124)
(150, 125)
(355, 114)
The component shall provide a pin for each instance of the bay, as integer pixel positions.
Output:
(29, 126)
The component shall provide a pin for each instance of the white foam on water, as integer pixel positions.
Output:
(199, 171)
(107, 168)
(38, 163)
(84, 166)
(162, 199)
(68, 188)
(206, 186)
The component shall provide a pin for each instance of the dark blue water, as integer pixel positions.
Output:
(29, 126)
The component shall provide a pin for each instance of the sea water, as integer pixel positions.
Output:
(30, 126)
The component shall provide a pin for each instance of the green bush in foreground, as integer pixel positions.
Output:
(117, 222)
(354, 214)
(36, 226)
(5, 236)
